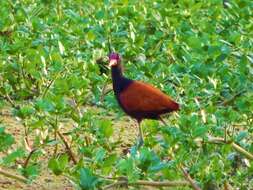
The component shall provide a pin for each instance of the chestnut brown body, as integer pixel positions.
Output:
(143, 101)
(138, 99)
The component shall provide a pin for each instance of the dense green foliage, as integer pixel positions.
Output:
(199, 52)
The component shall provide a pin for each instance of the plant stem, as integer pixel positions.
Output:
(226, 102)
(56, 145)
(26, 137)
(71, 154)
(161, 184)
(13, 176)
(188, 178)
(227, 186)
(55, 125)
(8, 99)
(148, 183)
(51, 82)
(77, 107)
(23, 75)
(219, 140)
(28, 158)
(103, 92)
(242, 151)
(116, 184)
(47, 87)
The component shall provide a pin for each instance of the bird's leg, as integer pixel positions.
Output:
(140, 140)
(162, 120)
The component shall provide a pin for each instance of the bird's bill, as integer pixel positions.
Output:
(112, 62)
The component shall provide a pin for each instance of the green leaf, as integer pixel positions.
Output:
(44, 105)
(110, 160)
(61, 86)
(90, 36)
(106, 128)
(100, 155)
(10, 158)
(194, 42)
(58, 164)
(157, 167)
(200, 131)
(31, 171)
(25, 111)
(100, 14)
(61, 48)
(221, 58)
(242, 135)
(128, 167)
(88, 181)
(6, 140)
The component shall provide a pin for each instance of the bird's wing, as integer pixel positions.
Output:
(141, 97)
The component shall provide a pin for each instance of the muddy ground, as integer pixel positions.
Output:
(46, 180)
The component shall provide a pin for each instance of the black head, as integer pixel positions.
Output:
(114, 59)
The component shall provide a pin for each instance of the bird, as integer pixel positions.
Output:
(139, 100)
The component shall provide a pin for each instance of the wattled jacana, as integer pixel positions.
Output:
(137, 99)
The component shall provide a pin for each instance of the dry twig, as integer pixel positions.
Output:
(188, 178)
(13, 176)
(71, 154)
(28, 158)
(227, 102)
(238, 148)
(147, 183)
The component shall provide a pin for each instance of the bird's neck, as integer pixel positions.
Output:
(116, 73)
(118, 80)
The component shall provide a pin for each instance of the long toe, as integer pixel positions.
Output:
(140, 143)
(134, 149)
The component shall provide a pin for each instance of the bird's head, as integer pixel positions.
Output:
(114, 59)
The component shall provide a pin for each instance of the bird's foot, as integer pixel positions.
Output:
(140, 143)
(134, 149)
